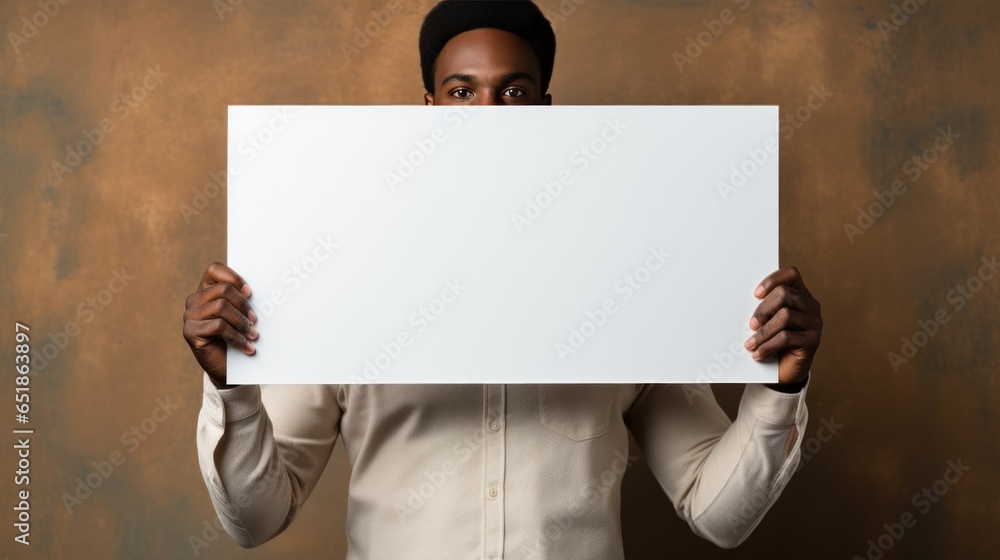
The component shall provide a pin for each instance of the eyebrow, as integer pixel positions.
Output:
(506, 79)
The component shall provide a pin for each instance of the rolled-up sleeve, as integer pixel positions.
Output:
(721, 475)
(261, 449)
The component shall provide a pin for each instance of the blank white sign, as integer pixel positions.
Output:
(566, 244)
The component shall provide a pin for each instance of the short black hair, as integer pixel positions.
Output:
(520, 17)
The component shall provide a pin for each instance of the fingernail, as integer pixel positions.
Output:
(750, 343)
(756, 355)
(754, 323)
(250, 347)
(245, 290)
(252, 316)
(759, 292)
(253, 333)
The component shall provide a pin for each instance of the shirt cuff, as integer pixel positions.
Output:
(775, 407)
(224, 406)
(789, 387)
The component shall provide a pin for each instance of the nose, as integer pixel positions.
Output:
(489, 97)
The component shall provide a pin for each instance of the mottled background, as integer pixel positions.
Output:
(62, 239)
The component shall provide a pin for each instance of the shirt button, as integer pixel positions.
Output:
(495, 425)
(493, 492)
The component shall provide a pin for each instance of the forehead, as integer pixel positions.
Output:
(486, 51)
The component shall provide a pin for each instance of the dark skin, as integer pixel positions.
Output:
(487, 67)
(494, 67)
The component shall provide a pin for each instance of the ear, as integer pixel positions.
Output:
(428, 98)
(547, 99)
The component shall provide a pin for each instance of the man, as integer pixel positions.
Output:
(495, 471)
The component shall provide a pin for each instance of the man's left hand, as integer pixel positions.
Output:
(788, 324)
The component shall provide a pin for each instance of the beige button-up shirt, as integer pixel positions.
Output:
(463, 472)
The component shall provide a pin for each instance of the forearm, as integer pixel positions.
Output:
(745, 472)
(247, 480)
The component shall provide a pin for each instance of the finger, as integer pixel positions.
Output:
(788, 276)
(218, 272)
(783, 296)
(784, 318)
(218, 328)
(224, 291)
(782, 341)
(223, 309)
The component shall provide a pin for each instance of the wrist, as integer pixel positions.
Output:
(789, 387)
(220, 383)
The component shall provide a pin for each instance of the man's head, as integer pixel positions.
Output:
(487, 52)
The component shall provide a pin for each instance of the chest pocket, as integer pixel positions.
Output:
(579, 412)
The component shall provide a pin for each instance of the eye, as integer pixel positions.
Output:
(517, 92)
(465, 91)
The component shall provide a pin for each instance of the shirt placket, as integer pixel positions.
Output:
(495, 427)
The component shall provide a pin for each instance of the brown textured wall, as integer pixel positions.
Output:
(62, 240)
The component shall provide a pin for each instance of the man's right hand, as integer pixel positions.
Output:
(219, 314)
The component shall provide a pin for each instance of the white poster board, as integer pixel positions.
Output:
(564, 244)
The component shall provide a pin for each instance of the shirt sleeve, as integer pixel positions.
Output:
(261, 449)
(722, 476)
